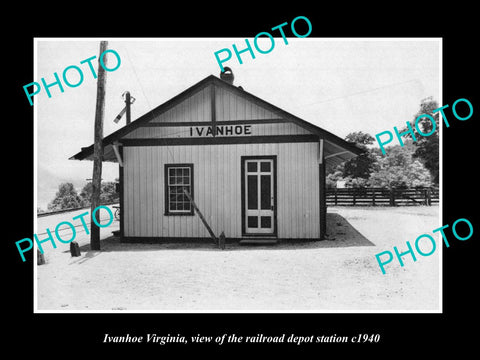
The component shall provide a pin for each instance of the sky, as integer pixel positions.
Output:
(339, 84)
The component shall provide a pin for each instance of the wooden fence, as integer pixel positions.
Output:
(382, 196)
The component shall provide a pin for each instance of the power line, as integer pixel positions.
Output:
(138, 80)
(145, 96)
(360, 92)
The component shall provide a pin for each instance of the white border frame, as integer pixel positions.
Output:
(186, 311)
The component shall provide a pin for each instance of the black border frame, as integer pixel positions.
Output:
(404, 330)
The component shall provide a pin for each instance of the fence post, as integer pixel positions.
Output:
(428, 196)
(354, 196)
(392, 197)
(335, 196)
(74, 249)
(373, 197)
(40, 258)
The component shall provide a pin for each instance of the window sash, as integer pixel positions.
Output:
(178, 179)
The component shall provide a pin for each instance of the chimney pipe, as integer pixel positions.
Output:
(227, 75)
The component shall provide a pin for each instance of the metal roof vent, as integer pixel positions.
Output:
(227, 75)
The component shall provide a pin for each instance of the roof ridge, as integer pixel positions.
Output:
(212, 79)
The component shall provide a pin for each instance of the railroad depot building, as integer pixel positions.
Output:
(255, 171)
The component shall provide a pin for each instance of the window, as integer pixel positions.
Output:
(178, 177)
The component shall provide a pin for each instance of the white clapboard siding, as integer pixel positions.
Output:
(217, 189)
(196, 107)
(229, 107)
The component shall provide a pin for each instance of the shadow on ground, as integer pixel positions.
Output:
(340, 233)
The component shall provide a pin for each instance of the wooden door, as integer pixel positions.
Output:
(259, 196)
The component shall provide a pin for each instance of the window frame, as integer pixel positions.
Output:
(169, 212)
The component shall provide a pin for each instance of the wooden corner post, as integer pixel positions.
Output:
(322, 191)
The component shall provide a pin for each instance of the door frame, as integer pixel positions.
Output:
(243, 202)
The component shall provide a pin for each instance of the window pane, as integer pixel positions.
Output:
(186, 180)
(252, 192)
(251, 166)
(266, 222)
(186, 172)
(252, 221)
(265, 192)
(171, 180)
(173, 205)
(265, 166)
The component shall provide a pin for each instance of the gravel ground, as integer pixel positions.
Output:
(339, 274)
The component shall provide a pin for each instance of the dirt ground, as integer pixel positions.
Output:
(339, 274)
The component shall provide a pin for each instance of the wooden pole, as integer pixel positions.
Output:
(200, 215)
(127, 106)
(98, 150)
(392, 197)
(428, 196)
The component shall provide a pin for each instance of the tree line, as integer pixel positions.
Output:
(67, 196)
(416, 164)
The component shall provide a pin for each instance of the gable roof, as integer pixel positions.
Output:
(336, 150)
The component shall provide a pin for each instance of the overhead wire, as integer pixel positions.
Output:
(359, 92)
(170, 152)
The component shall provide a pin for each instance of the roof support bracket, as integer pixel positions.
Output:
(336, 154)
(117, 153)
(320, 151)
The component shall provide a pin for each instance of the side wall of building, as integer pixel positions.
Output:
(217, 189)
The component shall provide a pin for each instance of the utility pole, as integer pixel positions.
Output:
(127, 106)
(129, 100)
(98, 150)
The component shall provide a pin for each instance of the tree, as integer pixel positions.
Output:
(86, 194)
(399, 169)
(65, 198)
(362, 165)
(108, 193)
(355, 172)
(427, 147)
